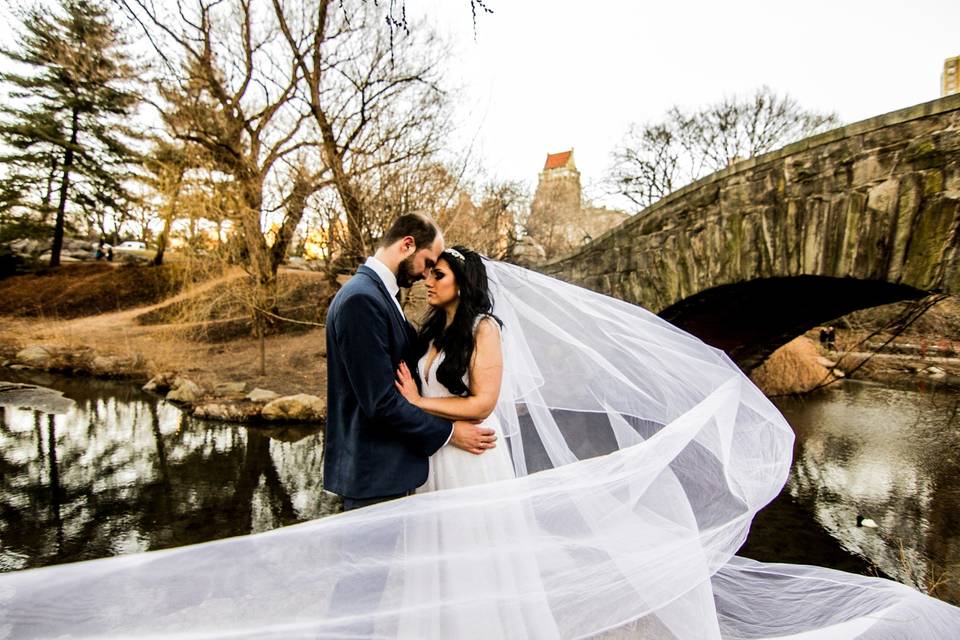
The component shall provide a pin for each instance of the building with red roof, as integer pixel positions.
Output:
(559, 219)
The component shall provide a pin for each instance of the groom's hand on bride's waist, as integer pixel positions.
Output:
(472, 438)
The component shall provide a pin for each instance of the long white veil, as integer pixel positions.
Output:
(642, 455)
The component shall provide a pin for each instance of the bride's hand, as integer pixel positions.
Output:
(406, 384)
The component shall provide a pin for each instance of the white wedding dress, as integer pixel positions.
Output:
(451, 467)
(512, 612)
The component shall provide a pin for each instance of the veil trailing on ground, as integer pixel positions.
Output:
(641, 454)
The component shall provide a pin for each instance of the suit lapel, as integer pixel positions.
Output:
(390, 300)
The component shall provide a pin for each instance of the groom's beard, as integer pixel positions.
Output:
(406, 275)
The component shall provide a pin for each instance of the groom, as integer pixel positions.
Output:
(377, 444)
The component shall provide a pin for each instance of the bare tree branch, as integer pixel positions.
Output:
(653, 160)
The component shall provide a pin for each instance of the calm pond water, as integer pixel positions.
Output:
(890, 454)
(123, 471)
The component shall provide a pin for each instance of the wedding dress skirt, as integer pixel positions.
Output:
(451, 468)
(513, 612)
(641, 457)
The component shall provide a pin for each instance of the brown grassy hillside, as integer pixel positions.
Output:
(85, 289)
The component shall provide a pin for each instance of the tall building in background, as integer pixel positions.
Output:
(950, 80)
(560, 220)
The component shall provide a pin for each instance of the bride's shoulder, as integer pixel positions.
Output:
(486, 323)
(487, 340)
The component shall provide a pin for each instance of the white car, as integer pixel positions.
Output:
(130, 245)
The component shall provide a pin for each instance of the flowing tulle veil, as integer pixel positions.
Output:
(642, 455)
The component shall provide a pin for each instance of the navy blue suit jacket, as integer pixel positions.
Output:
(377, 443)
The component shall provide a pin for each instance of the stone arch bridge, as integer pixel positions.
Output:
(754, 255)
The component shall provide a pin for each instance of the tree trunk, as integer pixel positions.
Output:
(258, 255)
(48, 195)
(64, 188)
(167, 223)
(302, 190)
(356, 248)
(162, 240)
(263, 273)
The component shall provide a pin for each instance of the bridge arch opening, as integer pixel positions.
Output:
(750, 320)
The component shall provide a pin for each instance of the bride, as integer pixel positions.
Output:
(640, 457)
(460, 369)
(460, 374)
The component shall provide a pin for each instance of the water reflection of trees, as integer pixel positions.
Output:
(117, 475)
(889, 455)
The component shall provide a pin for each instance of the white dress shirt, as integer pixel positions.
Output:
(389, 279)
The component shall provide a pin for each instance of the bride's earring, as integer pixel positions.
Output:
(458, 292)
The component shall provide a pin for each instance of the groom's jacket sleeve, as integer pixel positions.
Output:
(362, 333)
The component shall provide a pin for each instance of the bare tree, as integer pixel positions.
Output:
(646, 165)
(506, 207)
(271, 105)
(185, 185)
(375, 100)
(442, 189)
(165, 167)
(736, 128)
(431, 186)
(654, 160)
(231, 98)
(496, 225)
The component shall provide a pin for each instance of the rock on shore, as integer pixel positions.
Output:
(301, 407)
(228, 411)
(184, 390)
(35, 356)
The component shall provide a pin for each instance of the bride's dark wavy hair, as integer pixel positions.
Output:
(457, 341)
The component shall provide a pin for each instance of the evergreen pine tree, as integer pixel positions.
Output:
(67, 125)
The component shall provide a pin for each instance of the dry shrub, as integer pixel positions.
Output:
(77, 290)
(793, 368)
(222, 309)
(941, 320)
(934, 580)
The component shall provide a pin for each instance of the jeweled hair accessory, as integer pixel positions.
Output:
(456, 254)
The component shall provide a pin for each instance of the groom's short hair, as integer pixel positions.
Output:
(419, 225)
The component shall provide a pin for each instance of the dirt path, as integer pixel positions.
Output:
(295, 363)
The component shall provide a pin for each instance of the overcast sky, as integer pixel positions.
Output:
(547, 75)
